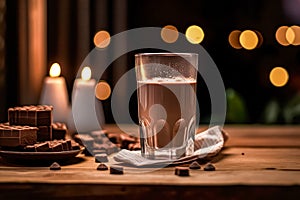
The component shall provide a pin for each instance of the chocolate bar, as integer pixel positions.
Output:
(59, 131)
(40, 115)
(13, 136)
(101, 158)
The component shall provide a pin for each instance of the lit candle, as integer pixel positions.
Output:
(85, 105)
(55, 93)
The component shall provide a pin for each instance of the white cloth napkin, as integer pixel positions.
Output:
(207, 143)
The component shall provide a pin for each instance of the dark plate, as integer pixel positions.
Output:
(29, 157)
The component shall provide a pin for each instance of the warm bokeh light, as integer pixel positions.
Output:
(102, 90)
(279, 76)
(248, 39)
(86, 73)
(169, 34)
(194, 34)
(233, 39)
(55, 70)
(260, 38)
(296, 31)
(102, 39)
(290, 35)
(281, 35)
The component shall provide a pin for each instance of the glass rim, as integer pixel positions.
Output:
(166, 54)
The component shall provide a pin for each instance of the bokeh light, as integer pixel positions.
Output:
(86, 73)
(194, 34)
(296, 30)
(248, 39)
(102, 39)
(260, 38)
(55, 70)
(290, 35)
(102, 90)
(279, 76)
(169, 34)
(233, 39)
(280, 35)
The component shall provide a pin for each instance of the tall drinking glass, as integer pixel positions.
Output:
(166, 103)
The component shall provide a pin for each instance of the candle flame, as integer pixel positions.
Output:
(55, 70)
(86, 73)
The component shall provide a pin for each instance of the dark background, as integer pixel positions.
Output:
(244, 71)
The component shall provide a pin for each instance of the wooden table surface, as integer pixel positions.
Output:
(257, 162)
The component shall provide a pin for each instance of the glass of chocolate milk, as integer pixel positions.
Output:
(166, 103)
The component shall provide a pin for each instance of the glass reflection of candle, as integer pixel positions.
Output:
(84, 103)
(55, 93)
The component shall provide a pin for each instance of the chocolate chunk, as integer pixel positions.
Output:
(64, 145)
(44, 133)
(134, 146)
(85, 140)
(209, 167)
(194, 165)
(99, 151)
(13, 136)
(55, 166)
(101, 158)
(108, 147)
(182, 171)
(243, 153)
(59, 131)
(75, 145)
(39, 115)
(29, 148)
(56, 146)
(42, 147)
(69, 143)
(116, 170)
(102, 167)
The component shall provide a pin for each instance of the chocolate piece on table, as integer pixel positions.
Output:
(102, 158)
(42, 147)
(84, 139)
(102, 167)
(99, 151)
(116, 170)
(99, 136)
(209, 167)
(182, 171)
(59, 130)
(194, 165)
(108, 147)
(55, 166)
(44, 133)
(13, 136)
(33, 115)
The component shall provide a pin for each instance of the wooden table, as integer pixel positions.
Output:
(257, 162)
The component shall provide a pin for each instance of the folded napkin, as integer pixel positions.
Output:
(207, 144)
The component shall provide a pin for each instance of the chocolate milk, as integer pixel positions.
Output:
(166, 109)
